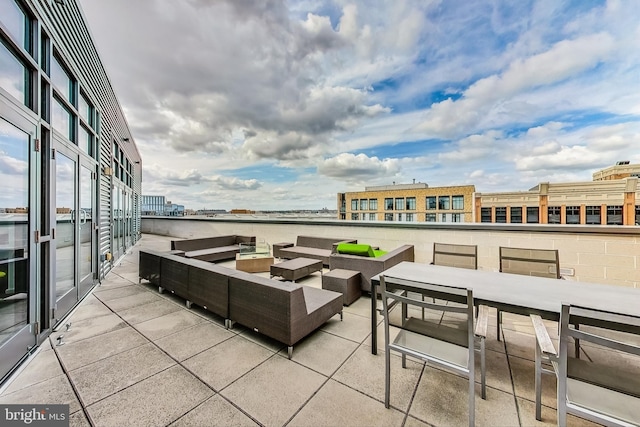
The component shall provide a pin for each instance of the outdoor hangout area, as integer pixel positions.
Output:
(176, 334)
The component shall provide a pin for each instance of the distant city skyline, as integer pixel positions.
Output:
(275, 105)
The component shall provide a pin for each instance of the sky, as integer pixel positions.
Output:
(276, 105)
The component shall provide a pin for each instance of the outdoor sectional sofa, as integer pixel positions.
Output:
(284, 311)
(319, 248)
(370, 266)
(212, 248)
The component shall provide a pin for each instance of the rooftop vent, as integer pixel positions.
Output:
(622, 162)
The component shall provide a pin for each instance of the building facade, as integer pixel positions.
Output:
(613, 198)
(415, 202)
(70, 169)
(152, 205)
(156, 205)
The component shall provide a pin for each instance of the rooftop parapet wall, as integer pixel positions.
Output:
(598, 254)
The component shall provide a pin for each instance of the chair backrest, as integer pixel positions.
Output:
(461, 256)
(401, 291)
(530, 262)
(599, 391)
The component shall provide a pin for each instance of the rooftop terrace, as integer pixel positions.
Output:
(135, 357)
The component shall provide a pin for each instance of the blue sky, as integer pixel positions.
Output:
(281, 105)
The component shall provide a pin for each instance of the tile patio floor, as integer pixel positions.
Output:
(134, 357)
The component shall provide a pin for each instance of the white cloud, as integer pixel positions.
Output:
(358, 167)
(566, 58)
(502, 95)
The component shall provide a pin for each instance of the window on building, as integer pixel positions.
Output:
(409, 217)
(554, 214)
(86, 110)
(373, 204)
(485, 214)
(456, 217)
(354, 216)
(364, 204)
(573, 214)
(411, 204)
(516, 215)
(399, 203)
(62, 81)
(614, 215)
(372, 217)
(443, 202)
(457, 202)
(62, 119)
(430, 218)
(431, 203)
(16, 22)
(388, 204)
(444, 217)
(85, 140)
(501, 215)
(399, 217)
(637, 215)
(354, 204)
(388, 217)
(16, 77)
(533, 215)
(364, 216)
(592, 215)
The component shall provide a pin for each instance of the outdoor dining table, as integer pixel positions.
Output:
(512, 293)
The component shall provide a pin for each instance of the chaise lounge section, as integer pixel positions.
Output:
(319, 248)
(284, 311)
(212, 249)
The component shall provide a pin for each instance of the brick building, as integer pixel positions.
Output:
(416, 202)
(612, 198)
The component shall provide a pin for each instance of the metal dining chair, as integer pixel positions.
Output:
(448, 347)
(605, 393)
(450, 255)
(528, 262)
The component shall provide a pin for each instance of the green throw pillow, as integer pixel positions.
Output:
(353, 249)
(358, 249)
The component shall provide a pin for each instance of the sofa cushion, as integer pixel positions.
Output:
(221, 249)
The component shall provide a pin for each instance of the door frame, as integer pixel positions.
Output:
(19, 345)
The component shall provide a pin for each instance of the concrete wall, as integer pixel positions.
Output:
(599, 254)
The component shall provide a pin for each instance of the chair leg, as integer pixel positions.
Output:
(538, 382)
(499, 322)
(577, 343)
(472, 398)
(483, 372)
(404, 361)
(387, 376)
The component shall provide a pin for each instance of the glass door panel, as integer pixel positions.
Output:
(86, 222)
(15, 290)
(66, 216)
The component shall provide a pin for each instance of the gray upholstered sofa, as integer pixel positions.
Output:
(369, 267)
(284, 311)
(212, 248)
(319, 248)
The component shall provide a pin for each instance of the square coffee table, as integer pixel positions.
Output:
(296, 268)
(253, 263)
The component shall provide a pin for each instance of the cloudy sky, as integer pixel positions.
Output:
(272, 104)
